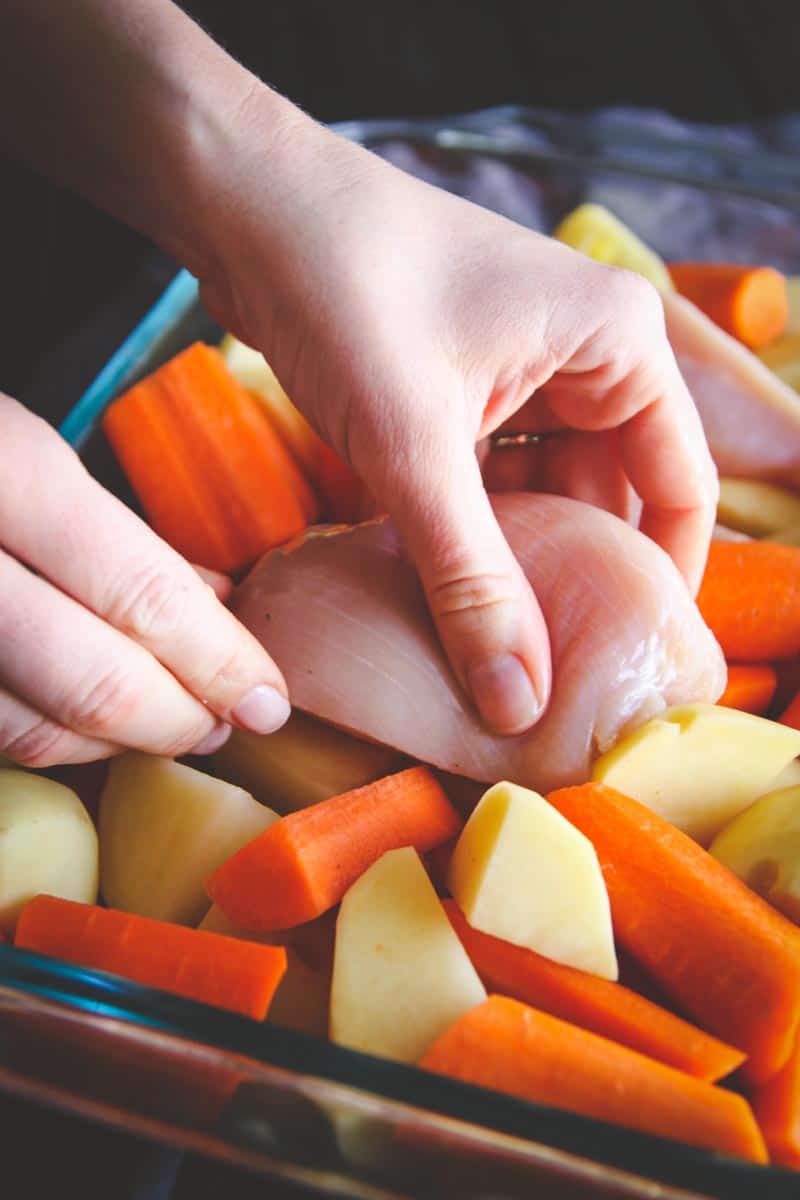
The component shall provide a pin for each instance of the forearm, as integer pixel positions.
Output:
(129, 103)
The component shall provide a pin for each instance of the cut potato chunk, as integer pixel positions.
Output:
(520, 871)
(304, 762)
(699, 765)
(47, 844)
(757, 508)
(164, 828)
(789, 777)
(595, 231)
(762, 847)
(400, 974)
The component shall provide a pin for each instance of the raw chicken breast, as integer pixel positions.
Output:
(751, 418)
(345, 617)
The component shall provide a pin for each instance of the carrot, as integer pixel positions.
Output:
(750, 598)
(719, 951)
(749, 688)
(750, 303)
(241, 976)
(777, 1109)
(212, 475)
(510, 1047)
(792, 714)
(608, 1009)
(303, 864)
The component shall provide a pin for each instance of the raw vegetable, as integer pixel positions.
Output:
(343, 494)
(47, 844)
(757, 508)
(715, 947)
(749, 303)
(793, 292)
(400, 974)
(776, 1105)
(762, 847)
(164, 827)
(605, 1008)
(783, 357)
(241, 976)
(304, 762)
(305, 863)
(750, 598)
(213, 477)
(510, 1047)
(595, 231)
(521, 872)
(699, 765)
(791, 716)
(750, 687)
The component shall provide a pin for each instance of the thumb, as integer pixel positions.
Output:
(488, 619)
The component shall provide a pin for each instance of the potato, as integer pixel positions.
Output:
(164, 828)
(400, 974)
(47, 844)
(757, 508)
(762, 847)
(699, 765)
(304, 762)
(789, 777)
(522, 872)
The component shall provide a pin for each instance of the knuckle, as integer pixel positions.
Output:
(634, 299)
(103, 704)
(182, 743)
(151, 606)
(42, 744)
(472, 601)
(220, 676)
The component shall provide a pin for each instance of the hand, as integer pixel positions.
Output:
(107, 637)
(407, 324)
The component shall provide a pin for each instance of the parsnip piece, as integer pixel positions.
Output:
(757, 508)
(789, 777)
(762, 847)
(304, 762)
(164, 828)
(783, 356)
(699, 765)
(595, 231)
(47, 844)
(400, 974)
(521, 872)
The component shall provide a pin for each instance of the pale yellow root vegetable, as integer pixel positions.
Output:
(400, 973)
(793, 292)
(783, 357)
(521, 872)
(699, 765)
(757, 508)
(164, 828)
(304, 762)
(47, 844)
(762, 847)
(595, 231)
(789, 777)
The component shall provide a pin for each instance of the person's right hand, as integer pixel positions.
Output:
(108, 638)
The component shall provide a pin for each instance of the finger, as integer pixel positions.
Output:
(91, 546)
(221, 585)
(486, 614)
(31, 739)
(67, 664)
(588, 467)
(511, 469)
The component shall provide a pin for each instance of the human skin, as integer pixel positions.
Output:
(406, 324)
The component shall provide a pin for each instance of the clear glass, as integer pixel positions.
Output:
(295, 1107)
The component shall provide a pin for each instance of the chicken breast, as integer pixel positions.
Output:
(751, 418)
(344, 615)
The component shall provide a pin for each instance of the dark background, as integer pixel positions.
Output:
(714, 60)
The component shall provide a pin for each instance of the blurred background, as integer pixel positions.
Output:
(722, 61)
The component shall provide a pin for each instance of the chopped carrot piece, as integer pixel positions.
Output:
(241, 976)
(776, 1105)
(750, 688)
(750, 599)
(510, 1047)
(304, 864)
(750, 303)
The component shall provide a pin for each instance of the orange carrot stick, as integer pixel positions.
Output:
(749, 688)
(213, 477)
(776, 1105)
(750, 303)
(718, 950)
(602, 1007)
(509, 1047)
(241, 976)
(750, 598)
(303, 864)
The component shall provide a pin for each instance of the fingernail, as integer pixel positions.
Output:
(263, 710)
(504, 694)
(212, 741)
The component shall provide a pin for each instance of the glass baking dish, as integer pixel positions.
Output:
(286, 1105)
